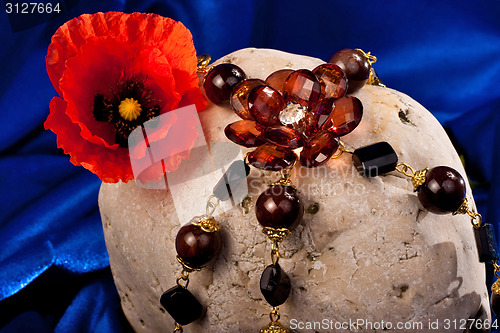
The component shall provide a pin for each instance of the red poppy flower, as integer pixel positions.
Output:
(113, 72)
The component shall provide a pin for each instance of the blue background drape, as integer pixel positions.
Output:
(54, 270)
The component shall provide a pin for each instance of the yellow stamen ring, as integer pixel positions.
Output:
(129, 109)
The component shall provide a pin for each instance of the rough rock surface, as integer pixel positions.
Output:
(366, 249)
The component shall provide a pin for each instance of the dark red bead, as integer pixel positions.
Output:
(443, 191)
(355, 65)
(196, 247)
(303, 87)
(278, 78)
(239, 97)
(495, 303)
(265, 105)
(333, 78)
(245, 133)
(279, 207)
(284, 136)
(345, 116)
(319, 149)
(275, 285)
(270, 157)
(221, 80)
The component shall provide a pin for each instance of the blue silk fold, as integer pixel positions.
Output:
(54, 268)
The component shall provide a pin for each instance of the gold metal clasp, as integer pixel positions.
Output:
(203, 61)
(274, 326)
(183, 277)
(475, 218)
(417, 177)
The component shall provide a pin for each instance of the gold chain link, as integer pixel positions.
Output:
(371, 58)
(183, 277)
(417, 177)
(275, 252)
(203, 61)
(475, 218)
(178, 328)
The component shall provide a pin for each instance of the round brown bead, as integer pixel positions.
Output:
(355, 66)
(196, 247)
(221, 80)
(279, 207)
(443, 191)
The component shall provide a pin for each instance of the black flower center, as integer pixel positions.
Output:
(127, 106)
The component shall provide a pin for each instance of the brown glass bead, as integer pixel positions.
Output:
(221, 80)
(275, 285)
(196, 247)
(284, 136)
(265, 105)
(355, 66)
(333, 78)
(245, 133)
(239, 97)
(278, 78)
(303, 87)
(317, 117)
(443, 191)
(345, 116)
(319, 149)
(279, 207)
(270, 157)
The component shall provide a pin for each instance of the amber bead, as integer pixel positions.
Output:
(279, 207)
(245, 133)
(355, 66)
(275, 285)
(319, 149)
(345, 116)
(443, 190)
(284, 136)
(278, 78)
(196, 247)
(495, 303)
(181, 304)
(303, 87)
(270, 157)
(333, 78)
(317, 117)
(239, 97)
(265, 105)
(221, 80)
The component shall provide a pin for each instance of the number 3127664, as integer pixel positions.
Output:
(32, 8)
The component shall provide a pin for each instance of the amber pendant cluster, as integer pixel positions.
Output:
(291, 109)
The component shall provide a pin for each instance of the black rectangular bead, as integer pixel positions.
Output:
(234, 177)
(375, 159)
(486, 242)
(181, 305)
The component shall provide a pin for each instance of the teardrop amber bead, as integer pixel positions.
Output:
(284, 136)
(333, 78)
(245, 133)
(270, 157)
(239, 98)
(303, 87)
(345, 116)
(265, 105)
(319, 149)
(278, 78)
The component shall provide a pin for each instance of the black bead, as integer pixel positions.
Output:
(181, 305)
(486, 243)
(232, 179)
(375, 159)
(275, 285)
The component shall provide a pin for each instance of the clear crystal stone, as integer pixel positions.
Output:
(292, 114)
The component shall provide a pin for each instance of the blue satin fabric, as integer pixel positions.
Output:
(54, 273)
